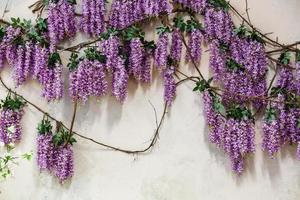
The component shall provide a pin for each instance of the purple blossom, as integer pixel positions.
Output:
(146, 68)
(19, 73)
(120, 81)
(161, 51)
(110, 48)
(136, 57)
(61, 21)
(52, 82)
(194, 45)
(238, 140)
(10, 125)
(63, 162)
(169, 85)
(214, 120)
(92, 20)
(176, 46)
(45, 150)
(2, 57)
(218, 24)
(89, 79)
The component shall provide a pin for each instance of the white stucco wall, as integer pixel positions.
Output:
(182, 166)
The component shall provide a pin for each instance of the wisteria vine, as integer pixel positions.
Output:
(234, 97)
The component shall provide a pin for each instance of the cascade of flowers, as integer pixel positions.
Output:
(61, 20)
(125, 13)
(281, 121)
(238, 62)
(87, 75)
(55, 151)
(12, 111)
(93, 17)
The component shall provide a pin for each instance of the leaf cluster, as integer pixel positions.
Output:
(14, 103)
(238, 112)
(202, 85)
(31, 32)
(234, 66)
(243, 31)
(219, 4)
(44, 127)
(61, 137)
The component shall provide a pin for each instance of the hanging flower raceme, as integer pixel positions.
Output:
(241, 68)
(177, 37)
(10, 119)
(87, 75)
(93, 17)
(231, 129)
(51, 78)
(23, 66)
(110, 48)
(63, 161)
(194, 43)
(7, 48)
(169, 84)
(61, 21)
(136, 58)
(218, 24)
(45, 145)
(125, 13)
(215, 121)
(120, 81)
(161, 51)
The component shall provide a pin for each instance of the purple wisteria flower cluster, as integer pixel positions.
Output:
(10, 120)
(88, 79)
(218, 24)
(281, 122)
(241, 68)
(125, 13)
(161, 51)
(54, 152)
(194, 46)
(61, 21)
(140, 61)
(93, 17)
(236, 136)
(169, 85)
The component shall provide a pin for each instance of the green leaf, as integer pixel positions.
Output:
(149, 45)
(218, 106)
(241, 30)
(278, 90)
(239, 113)
(2, 32)
(224, 48)
(15, 103)
(73, 2)
(41, 25)
(202, 85)
(298, 56)
(9, 147)
(163, 29)
(53, 59)
(219, 4)
(193, 25)
(285, 58)
(271, 114)
(27, 156)
(234, 66)
(255, 36)
(179, 23)
(44, 127)
(92, 54)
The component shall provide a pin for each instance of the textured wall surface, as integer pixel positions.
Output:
(182, 166)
